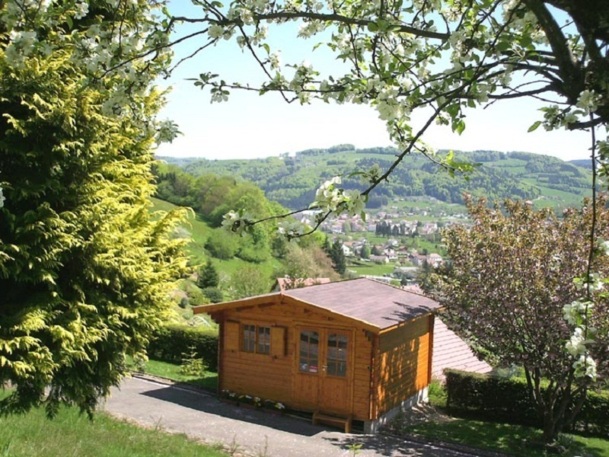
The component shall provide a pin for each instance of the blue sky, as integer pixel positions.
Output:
(251, 126)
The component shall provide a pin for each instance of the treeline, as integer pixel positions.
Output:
(292, 180)
(428, 181)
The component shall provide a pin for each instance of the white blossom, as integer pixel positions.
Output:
(274, 60)
(82, 9)
(235, 222)
(21, 45)
(246, 16)
(355, 202)
(574, 313)
(456, 40)
(219, 95)
(260, 35)
(585, 366)
(2, 198)
(290, 228)
(215, 31)
(308, 29)
(594, 282)
(329, 196)
(588, 101)
(577, 343)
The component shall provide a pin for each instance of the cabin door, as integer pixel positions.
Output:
(324, 372)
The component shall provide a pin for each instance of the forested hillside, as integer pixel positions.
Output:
(292, 180)
(243, 266)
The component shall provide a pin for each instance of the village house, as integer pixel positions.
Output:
(418, 259)
(428, 228)
(379, 258)
(434, 259)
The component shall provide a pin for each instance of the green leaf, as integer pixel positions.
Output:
(534, 127)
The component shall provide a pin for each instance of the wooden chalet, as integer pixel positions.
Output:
(350, 350)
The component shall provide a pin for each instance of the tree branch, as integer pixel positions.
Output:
(322, 17)
(565, 60)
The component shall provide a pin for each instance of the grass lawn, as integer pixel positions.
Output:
(372, 268)
(506, 438)
(72, 434)
(172, 371)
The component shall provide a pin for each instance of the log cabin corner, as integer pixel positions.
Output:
(350, 350)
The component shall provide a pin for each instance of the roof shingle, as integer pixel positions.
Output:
(378, 304)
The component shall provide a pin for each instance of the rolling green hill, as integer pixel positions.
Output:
(292, 180)
(199, 232)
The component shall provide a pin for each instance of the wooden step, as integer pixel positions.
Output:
(329, 419)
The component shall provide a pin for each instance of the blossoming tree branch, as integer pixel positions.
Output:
(436, 57)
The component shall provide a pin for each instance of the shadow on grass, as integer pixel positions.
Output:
(209, 382)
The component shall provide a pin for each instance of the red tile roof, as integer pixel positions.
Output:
(450, 351)
(295, 283)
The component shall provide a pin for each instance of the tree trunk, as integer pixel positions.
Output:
(550, 429)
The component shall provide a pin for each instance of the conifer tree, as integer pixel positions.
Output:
(84, 268)
(338, 257)
(208, 276)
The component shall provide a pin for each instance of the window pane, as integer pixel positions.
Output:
(336, 358)
(249, 338)
(309, 348)
(264, 340)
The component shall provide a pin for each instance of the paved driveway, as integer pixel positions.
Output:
(204, 417)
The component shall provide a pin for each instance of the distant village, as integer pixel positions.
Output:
(395, 227)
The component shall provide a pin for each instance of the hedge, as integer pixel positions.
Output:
(171, 342)
(507, 400)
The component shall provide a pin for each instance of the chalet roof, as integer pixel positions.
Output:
(378, 305)
(366, 300)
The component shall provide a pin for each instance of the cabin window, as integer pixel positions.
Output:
(264, 340)
(309, 351)
(337, 355)
(256, 339)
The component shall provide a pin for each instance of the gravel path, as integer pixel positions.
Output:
(250, 432)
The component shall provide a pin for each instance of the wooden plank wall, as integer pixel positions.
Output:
(362, 371)
(403, 364)
(261, 375)
(271, 376)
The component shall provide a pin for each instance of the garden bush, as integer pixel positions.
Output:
(507, 400)
(171, 342)
(213, 294)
